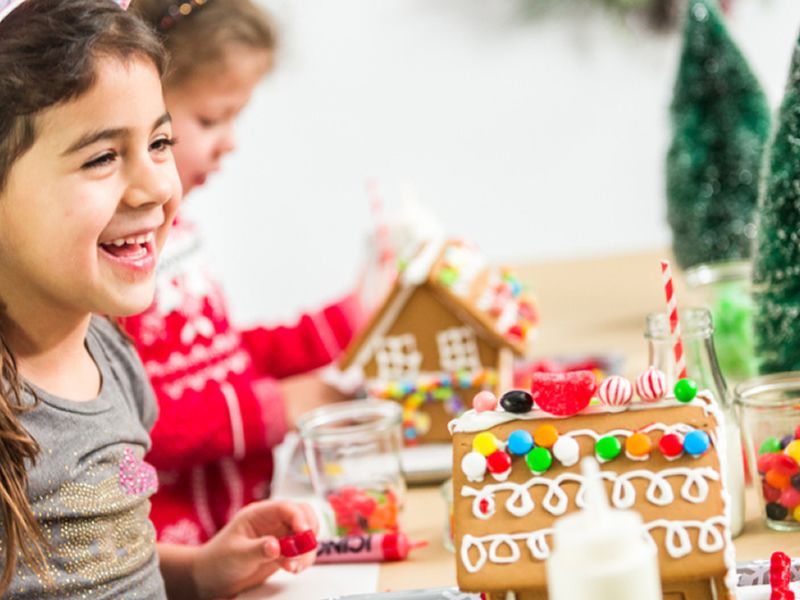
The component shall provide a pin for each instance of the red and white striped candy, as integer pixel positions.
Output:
(616, 393)
(651, 385)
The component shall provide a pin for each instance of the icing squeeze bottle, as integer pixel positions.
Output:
(600, 552)
(375, 547)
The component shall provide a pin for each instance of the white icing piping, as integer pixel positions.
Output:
(389, 317)
(473, 421)
(677, 542)
(623, 494)
(417, 271)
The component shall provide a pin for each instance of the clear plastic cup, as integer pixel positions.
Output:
(353, 455)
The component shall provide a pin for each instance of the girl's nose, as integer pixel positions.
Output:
(151, 183)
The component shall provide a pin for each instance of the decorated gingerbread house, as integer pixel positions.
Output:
(450, 327)
(517, 471)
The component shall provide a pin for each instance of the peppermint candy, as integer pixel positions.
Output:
(651, 386)
(615, 393)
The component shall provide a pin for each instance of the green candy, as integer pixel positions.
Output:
(771, 444)
(608, 448)
(685, 390)
(539, 459)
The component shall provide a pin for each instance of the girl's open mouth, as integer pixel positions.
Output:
(133, 252)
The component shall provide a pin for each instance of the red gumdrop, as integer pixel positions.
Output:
(780, 576)
(498, 462)
(785, 464)
(766, 461)
(563, 394)
(790, 498)
(771, 494)
(297, 544)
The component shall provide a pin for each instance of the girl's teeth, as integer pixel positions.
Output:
(118, 243)
(141, 239)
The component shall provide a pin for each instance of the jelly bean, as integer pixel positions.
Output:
(790, 498)
(786, 440)
(498, 463)
(770, 494)
(671, 445)
(485, 443)
(638, 445)
(771, 444)
(474, 465)
(777, 479)
(685, 390)
(539, 460)
(517, 401)
(793, 449)
(696, 442)
(795, 481)
(766, 461)
(785, 464)
(520, 442)
(797, 432)
(796, 513)
(607, 448)
(776, 512)
(567, 451)
(545, 436)
(484, 401)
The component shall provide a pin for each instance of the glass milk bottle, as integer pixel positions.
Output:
(697, 334)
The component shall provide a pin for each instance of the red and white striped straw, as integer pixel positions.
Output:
(674, 323)
(385, 250)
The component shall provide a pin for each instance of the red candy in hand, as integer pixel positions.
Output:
(297, 544)
(563, 394)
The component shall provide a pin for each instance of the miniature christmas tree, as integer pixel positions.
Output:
(720, 121)
(777, 263)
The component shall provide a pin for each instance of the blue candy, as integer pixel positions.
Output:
(696, 442)
(520, 442)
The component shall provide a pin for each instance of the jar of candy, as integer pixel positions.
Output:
(353, 455)
(725, 289)
(770, 409)
(697, 334)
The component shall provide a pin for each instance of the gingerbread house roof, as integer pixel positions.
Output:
(504, 520)
(490, 299)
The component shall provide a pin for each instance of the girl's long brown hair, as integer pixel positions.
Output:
(48, 55)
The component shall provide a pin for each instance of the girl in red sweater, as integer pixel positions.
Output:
(223, 392)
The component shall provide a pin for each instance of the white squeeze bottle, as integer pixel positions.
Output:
(601, 553)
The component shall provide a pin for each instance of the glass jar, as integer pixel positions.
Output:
(697, 335)
(353, 455)
(770, 408)
(725, 288)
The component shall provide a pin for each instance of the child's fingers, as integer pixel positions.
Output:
(307, 519)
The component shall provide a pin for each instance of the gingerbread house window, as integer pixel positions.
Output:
(398, 358)
(458, 350)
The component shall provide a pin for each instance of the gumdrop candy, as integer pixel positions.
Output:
(563, 394)
(297, 544)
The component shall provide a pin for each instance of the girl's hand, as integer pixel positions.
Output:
(246, 551)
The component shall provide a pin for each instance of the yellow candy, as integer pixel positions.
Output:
(796, 513)
(485, 443)
(413, 401)
(422, 423)
(545, 436)
(793, 450)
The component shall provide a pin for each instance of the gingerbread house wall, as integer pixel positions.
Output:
(528, 573)
(424, 315)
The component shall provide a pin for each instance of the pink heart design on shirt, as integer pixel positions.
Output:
(136, 476)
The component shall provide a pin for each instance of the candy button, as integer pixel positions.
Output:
(638, 445)
(484, 401)
(607, 448)
(685, 390)
(771, 444)
(499, 462)
(696, 442)
(545, 436)
(777, 479)
(520, 442)
(473, 465)
(793, 450)
(539, 460)
(671, 445)
(566, 451)
(485, 443)
(790, 498)
(517, 401)
(776, 512)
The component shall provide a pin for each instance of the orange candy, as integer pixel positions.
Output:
(777, 479)
(638, 444)
(545, 436)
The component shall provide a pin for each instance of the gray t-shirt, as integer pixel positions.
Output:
(90, 487)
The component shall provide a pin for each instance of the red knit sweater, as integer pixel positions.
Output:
(221, 411)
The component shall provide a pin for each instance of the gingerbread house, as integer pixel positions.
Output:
(661, 459)
(450, 326)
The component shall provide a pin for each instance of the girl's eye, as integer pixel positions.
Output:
(162, 144)
(101, 161)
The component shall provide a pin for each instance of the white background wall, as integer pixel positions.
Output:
(537, 138)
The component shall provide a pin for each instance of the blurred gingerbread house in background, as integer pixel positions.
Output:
(450, 327)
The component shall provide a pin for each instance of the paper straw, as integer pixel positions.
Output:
(384, 243)
(674, 323)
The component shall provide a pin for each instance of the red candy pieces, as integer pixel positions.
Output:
(780, 576)
(563, 394)
(671, 445)
(498, 462)
(771, 494)
(785, 464)
(297, 544)
(766, 462)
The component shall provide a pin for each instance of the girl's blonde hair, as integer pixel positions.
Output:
(197, 43)
(48, 55)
